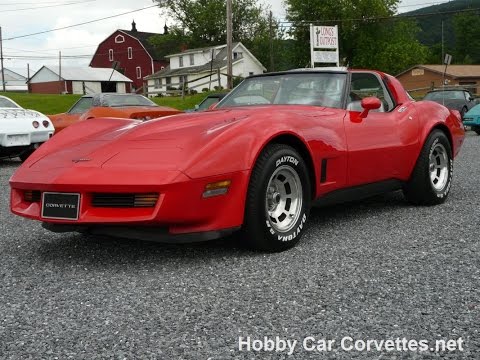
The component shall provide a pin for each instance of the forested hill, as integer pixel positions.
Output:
(430, 20)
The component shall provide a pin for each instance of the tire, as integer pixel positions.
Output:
(477, 130)
(462, 112)
(24, 155)
(278, 200)
(432, 176)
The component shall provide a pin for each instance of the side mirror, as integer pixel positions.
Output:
(197, 107)
(369, 103)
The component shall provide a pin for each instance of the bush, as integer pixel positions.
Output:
(193, 92)
(218, 88)
(205, 90)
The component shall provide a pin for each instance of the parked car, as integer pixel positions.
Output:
(209, 100)
(132, 106)
(273, 147)
(455, 99)
(472, 119)
(21, 130)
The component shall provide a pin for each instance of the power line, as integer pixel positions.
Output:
(80, 24)
(30, 3)
(48, 6)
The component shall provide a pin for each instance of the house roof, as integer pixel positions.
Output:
(87, 74)
(12, 75)
(219, 62)
(216, 64)
(143, 38)
(203, 49)
(455, 71)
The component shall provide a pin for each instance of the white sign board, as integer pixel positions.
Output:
(324, 37)
(327, 57)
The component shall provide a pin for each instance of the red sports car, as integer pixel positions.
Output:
(276, 145)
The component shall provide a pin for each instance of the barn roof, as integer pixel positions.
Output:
(86, 74)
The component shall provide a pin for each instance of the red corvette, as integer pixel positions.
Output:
(276, 145)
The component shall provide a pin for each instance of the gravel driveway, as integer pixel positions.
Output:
(374, 270)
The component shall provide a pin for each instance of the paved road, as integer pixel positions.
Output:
(373, 270)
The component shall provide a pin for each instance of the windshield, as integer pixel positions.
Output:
(441, 95)
(127, 100)
(7, 103)
(82, 105)
(318, 89)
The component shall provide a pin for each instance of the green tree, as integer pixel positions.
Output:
(367, 38)
(467, 35)
(393, 49)
(204, 21)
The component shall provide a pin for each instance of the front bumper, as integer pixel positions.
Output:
(156, 234)
(180, 209)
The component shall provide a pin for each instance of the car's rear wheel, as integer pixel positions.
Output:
(278, 199)
(432, 176)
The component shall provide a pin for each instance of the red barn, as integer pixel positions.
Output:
(131, 54)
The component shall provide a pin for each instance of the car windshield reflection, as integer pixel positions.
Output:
(317, 89)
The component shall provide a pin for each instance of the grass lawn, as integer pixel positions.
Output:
(54, 104)
(46, 104)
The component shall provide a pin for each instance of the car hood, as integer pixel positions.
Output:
(475, 111)
(170, 143)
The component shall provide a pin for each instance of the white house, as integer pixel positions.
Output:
(203, 68)
(13, 81)
(78, 80)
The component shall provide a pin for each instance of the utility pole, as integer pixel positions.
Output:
(60, 70)
(229, 46)
(272, 65)
(1, 60)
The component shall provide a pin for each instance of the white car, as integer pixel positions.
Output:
(21, 130)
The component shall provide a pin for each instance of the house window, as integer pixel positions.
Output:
(119, 39)
(180, 61)
(130, 53)
(110, 54)
(237, 55)
(139, 72)
(168, 81)
(192, 59)
(157, 83)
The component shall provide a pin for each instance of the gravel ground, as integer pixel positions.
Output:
(372, 270)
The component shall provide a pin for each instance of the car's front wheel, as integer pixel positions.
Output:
(432, 176)
(476, 129)
(278, 199)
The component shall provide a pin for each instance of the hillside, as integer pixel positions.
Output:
(430, 21)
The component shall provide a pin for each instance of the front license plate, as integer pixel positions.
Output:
(61, 206)
(18, 140)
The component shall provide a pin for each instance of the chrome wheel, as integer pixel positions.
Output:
(284, 198)
(438, 167)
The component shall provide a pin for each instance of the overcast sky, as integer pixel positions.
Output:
(21, 17)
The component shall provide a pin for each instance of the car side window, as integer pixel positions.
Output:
(365, 85)
(81, 106)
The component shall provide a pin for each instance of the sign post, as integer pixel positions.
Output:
(324, 38)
